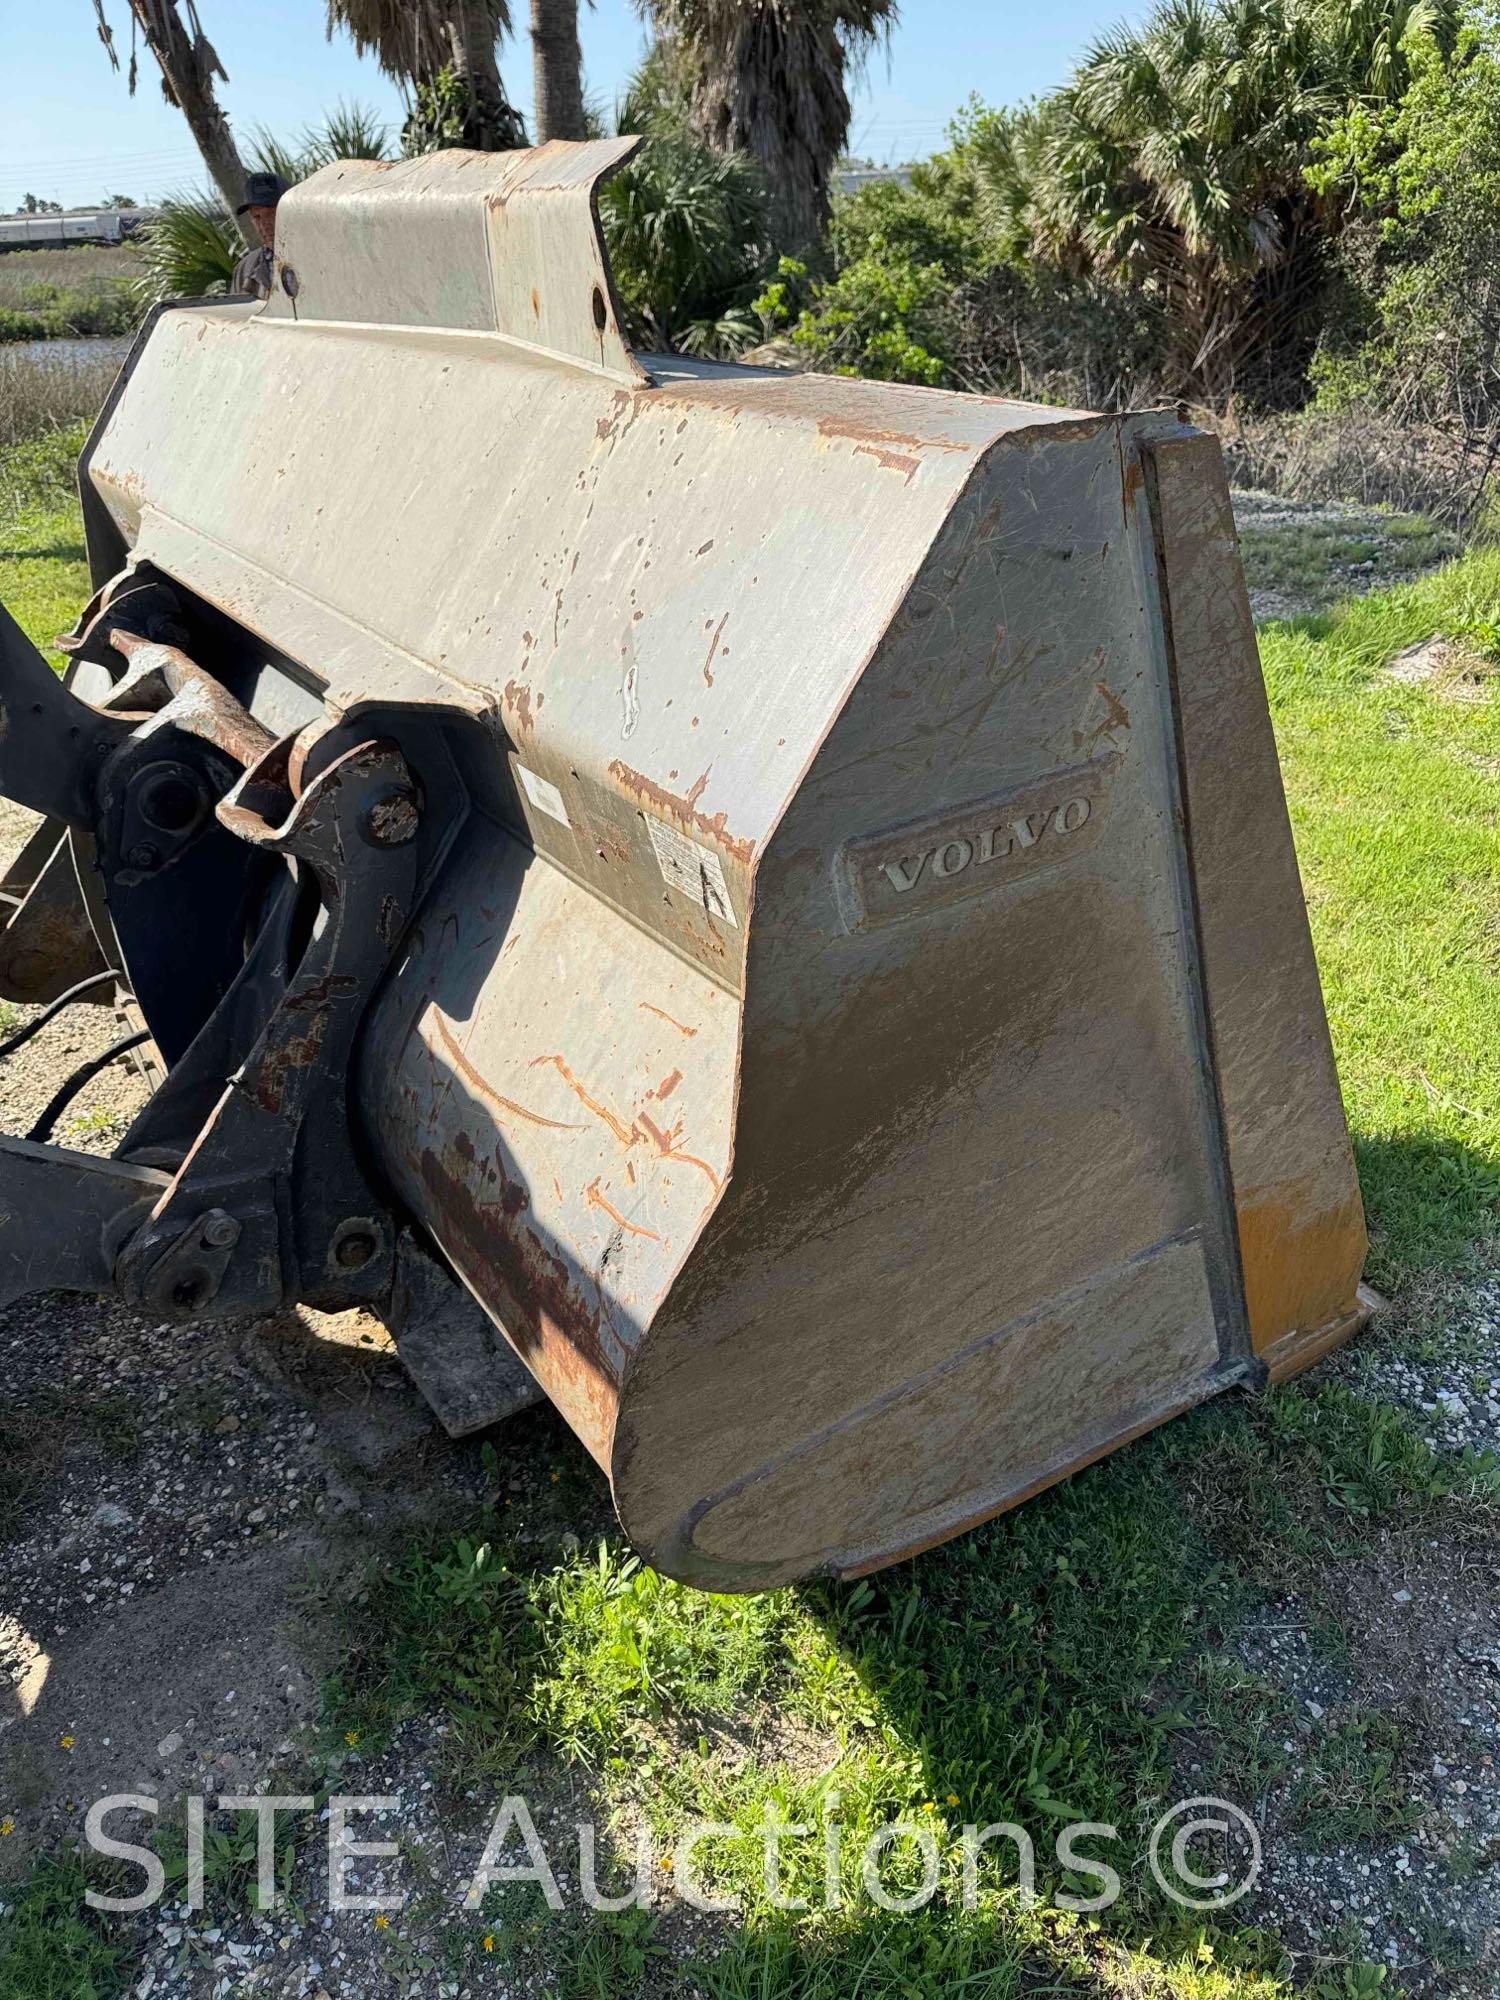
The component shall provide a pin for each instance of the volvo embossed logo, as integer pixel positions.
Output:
(1012, 837)
(973, 847)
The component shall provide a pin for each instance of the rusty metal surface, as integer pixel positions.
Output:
(810, 1052)
(186, 698)
(47, 944)
(494, 243)
(1297, 1209)
(974, 1115)
(452, 1349)
(558, 1088)
(625, 581)
(286, 1107)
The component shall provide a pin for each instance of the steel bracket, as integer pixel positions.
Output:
(276, 1157)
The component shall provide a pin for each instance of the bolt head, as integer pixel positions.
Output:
(220, 1230)
(393, 820)
(355, 1249)
(144, 857)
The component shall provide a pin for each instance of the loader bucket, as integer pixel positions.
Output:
(766, 899)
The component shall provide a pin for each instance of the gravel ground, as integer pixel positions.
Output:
(165, 1493)
(1302, 555)
(1416, 1626)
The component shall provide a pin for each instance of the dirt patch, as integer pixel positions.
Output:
(1384, 1672)
(163, 1490)
(148, 1566)
(1447, 667)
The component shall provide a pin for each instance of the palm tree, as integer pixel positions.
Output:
(557, 70)
(444, 53)
(348, 132)
(769, 78)
(189, 65)
(1177, 158)
(685, 226)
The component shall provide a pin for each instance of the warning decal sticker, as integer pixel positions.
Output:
(693, 870)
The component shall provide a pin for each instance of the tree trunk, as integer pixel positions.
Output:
(557, 70)
(776, 92)
(188, 68)
(492, 123)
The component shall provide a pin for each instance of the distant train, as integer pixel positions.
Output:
(78, 225)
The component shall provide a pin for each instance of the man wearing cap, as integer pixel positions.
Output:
(252, 274)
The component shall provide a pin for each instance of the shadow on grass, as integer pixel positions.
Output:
(1432, 1205)
(1076, 1660)
(60, 551)
(1040, 1670)
(878, 1955)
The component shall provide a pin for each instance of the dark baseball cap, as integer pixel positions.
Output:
(262, 191)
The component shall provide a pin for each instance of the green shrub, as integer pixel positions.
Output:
(1146, 230)
(923, 292)
(189, 252)
(686, 229)
(1420, 341)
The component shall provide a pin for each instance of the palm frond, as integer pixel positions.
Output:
(189, 251)
(407, 38)
(688, 243)
(770, 78)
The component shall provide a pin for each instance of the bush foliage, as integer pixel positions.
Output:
(1169, 222)
(1287, 211)
(1416, 345)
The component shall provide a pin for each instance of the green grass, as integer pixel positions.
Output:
(1066, 1662)
(44, 579)
(1395, 800)
(52, 294)
(1312, 560)
(1073, 1659)
(52, 1947)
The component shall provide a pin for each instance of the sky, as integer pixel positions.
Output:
(70, 132)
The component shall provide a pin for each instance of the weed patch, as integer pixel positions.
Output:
(43, 572)
(52, 1946)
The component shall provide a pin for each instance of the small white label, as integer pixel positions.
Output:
(543, 795)
(695, 871)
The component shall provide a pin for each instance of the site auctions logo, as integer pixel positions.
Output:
(1188, 1833)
